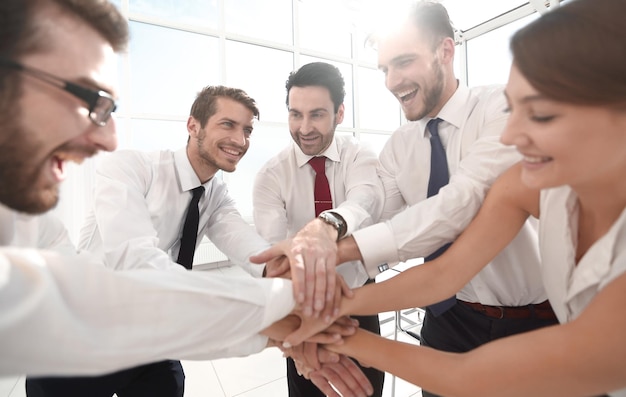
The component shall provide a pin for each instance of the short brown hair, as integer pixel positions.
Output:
(205, 104)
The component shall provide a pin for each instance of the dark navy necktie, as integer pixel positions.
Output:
(190, 230)
(439, 177)
(322, 197)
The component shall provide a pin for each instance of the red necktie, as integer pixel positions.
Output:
(323, 199)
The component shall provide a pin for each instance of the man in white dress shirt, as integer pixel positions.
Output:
(284, 187)
(57, 73)
(505, 298)
(67, 314)
(140, 204)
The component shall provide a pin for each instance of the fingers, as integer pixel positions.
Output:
(310, 352)
(309, 286)
(344, 377)
(321, 284)
(332, 309)
(309, 326)
(331, 277)
(353, 373)
(268, 254)
(326, 356)
(277, 267)
(324, 385)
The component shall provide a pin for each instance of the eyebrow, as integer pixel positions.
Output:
(321, 109)
(399, 58)
(528, 98)
(87, 82)
(235, 122)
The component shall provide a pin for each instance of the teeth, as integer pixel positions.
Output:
(70, 157)
(534, 160)
(402, 94)
(232, 151)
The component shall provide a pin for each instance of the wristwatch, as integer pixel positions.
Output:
(336, 221)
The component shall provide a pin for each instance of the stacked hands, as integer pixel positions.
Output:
(312, 334)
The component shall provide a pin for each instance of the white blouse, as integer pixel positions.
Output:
(572, 287)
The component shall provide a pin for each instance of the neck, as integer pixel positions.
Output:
(448, 90)
(600, 206)
(204, 171)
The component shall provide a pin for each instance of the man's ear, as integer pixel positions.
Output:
(193, 126)
(340, 114)
(446, 51)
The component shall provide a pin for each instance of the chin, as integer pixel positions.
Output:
(535, 183)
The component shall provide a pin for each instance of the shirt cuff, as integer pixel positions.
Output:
(377, 247)
(280, 300)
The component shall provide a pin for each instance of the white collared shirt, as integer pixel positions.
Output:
(571, 287)
(70, 315)
(140, 204)
(472, 123)
(284, 191)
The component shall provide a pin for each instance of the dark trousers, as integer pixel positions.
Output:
(462, 329)
(299, 386)
(162, 379)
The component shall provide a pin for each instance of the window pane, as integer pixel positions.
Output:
(266, 142)
(378, 108)
(149, 135)
(365, 51)
(169, 67)
(197, 12)
(346, 72)
(494, 47)
(261, 72)
(334, 37)
(266, 20)
(467, 14)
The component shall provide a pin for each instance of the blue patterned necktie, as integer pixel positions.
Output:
(439, 177)
(190, 230)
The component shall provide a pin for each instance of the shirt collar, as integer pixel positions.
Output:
(186, 175)
(453, 110)
(331, 152)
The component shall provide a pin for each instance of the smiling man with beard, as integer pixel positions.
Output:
(66, 314)
(284, 194)
(140, 205)
(416, 56)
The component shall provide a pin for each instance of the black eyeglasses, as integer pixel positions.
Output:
(100, 103)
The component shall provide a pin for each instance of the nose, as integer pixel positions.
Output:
(105, 137)
(392, 79)
(239, 137)
(306, 126)
(513, 133)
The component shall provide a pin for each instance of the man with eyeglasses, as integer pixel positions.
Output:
(139, 214)
(67, 314)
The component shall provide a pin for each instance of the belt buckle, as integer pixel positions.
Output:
(501, 312)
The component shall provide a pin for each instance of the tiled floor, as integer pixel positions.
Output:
(259, 375)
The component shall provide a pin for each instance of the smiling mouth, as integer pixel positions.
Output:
(309, 138)
(233, 152)
(77, 158)
(407, 95)
(536, 159)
